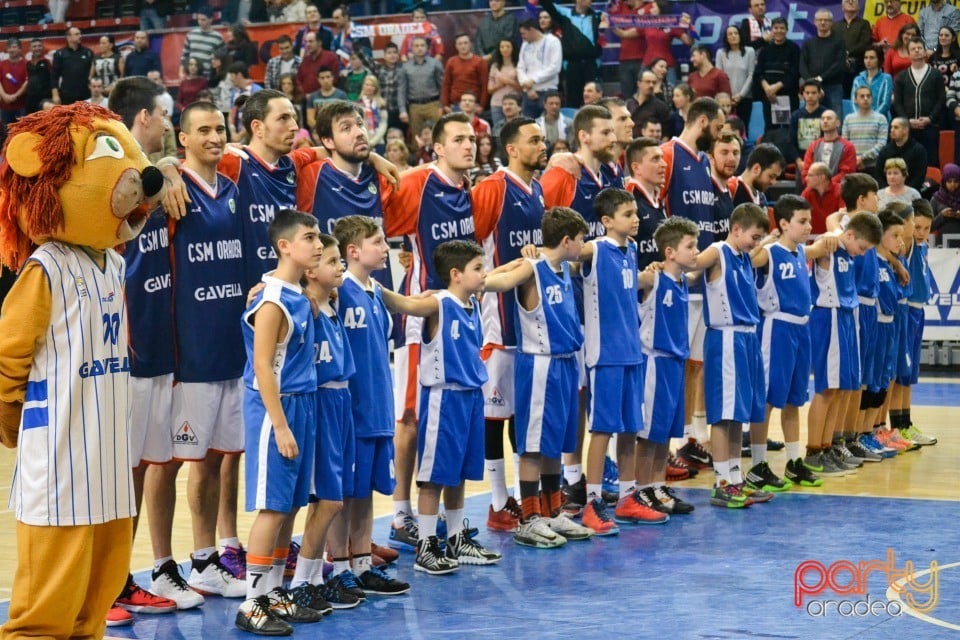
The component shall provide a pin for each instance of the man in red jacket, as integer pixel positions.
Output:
(838, 154)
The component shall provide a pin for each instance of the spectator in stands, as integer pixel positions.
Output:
(153, 15)
(398, 153)
(418, 90)
(465, 71)
(856, 35)
(487, 161)
(285, 62)
(374, 112)
(580, 36)
(511, 108)
(13, 84)
(805, 123)
(560, 146)
(726, 103)
(831, 149)
(663, 87)
(538, 71)
(431, 35)
(141, 58)
(494, 27)
(866, 129)
(643, 106)
(631, 46)
(554, 125)
(705, 79)
(545, 22)
(314, 59)
(650, 129)
(776, 75)
(823, 194)
(896, 190)
(352, 77)
(71, 70)
(946, 202)
(683, 96)
(502, 80)
(58, 10)
(388, 74)
(289, 87)
(952, 113)
(756, 30)
(243, 85)
(886, 30)
(326, 91)
(108, 66)
(823, 57)
(936, 14)
(292, 11)
(901, 145)
(312, 25)
(191, 85)
(201, 42)
(240, 47)
(592, 92)
(879, 82)
(164, 99)
(468, 104)
(738, 62)
(424, 145)
(897, 57)
(919, 96)
(97, 96)
(218, 81)
(946, 56)
(657, 42)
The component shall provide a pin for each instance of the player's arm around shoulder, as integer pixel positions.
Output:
(270, 326)
(822, 247)
(708, 260)
(423, 305)
(509, 276)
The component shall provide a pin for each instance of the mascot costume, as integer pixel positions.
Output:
(73, 184)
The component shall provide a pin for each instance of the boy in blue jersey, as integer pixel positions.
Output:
(664, 341)
(450, 429)
(835, 354)
(734, 388)
(783, 295)
(278, 411)
(545, 375)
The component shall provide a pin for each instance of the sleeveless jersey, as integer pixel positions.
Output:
(731, 299)
(150, 300)
(722, 210)
(73, 465)
(508, 215)
(905, 289)
(367, 325)
(651, 213)
(888, 291)
(741, 193)
(208, 294)
(784, 285)
(663, 317)
(867, 272)
(552, 327)
(452, 356)
(612, 321)
(836, 286)
(334, 359)
(612, 175)
(688, 190)
(293, 364)
(919, 274)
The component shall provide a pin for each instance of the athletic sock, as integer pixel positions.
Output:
(529, 499)
(361, 563)
(200, 556)
(736, 477)
(700, 427)
(758, 453)
(159, 562)
(454, 522)
(794, 450)
(722, 470)
(516, 475)
(401, 508)
(258, 575)
(594, 491)
(230, 542)
(428, 525)
(496, 475)
(307, 568)
(550, 488)
(278, 566)
(572, 473)
(343, 564)
(627, 487)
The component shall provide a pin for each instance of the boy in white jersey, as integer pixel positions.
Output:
(278, 411)
(546, 376)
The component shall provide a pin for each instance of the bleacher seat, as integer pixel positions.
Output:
(568, 112)
(756, 125)
(947, 142)
(847, 109)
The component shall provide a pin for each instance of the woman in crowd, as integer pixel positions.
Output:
(108, 65)
(657, 41)
(398, 153)
(664, 87)
(487, 160)
(946, 57)
(738, 63)
(192, 84)
(374, 112)
(879, 82)
(683, 95)
(502, 80)
(218, 80)
(897, 190)
(897, 58)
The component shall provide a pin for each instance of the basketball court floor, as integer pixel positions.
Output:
(874, 555)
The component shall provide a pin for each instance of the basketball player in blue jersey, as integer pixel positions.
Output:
(783, 295)
(688, 191)
(208, 297)
(545, 376)
(734, 387)
(507, 214)
(665, 345)
(724, 160)
(431, 205)
(279, 406)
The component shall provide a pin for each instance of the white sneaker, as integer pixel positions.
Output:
(216, 580)
(569, 529)
(537, 533)
(168, 583)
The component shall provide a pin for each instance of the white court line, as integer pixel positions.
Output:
(892, 595)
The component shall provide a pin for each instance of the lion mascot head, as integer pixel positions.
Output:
(73, 174)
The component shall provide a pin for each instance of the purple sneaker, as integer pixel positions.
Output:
(292, 555)
(234, 560)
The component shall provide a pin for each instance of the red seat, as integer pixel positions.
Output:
(947, 142)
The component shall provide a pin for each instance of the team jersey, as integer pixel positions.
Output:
(783, 286)
(334, 358)
(264, 189)
(743, 193)
(452, 356)
(367, 324)
(508, 214)
(611, 327)
(722, 210)
(149, 299)
(208, 294)
(553, 326)
(919, 273)
(73, 465)
(293, 364)
(731, 299)
(331, 194)
(560, 189)
(905, 289)
(889, 291)
(835, 286)
(651, 212)
(663, 317)
(867, 273)
(612, 174)
(688, 190)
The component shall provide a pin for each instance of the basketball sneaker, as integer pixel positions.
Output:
(431, 559)
(632, 510)
(256, 615)
(466, 550)
(814, 462)
(680, 469)
(695, 454)
(376, 581)
(235, 560)
(138, 600)
(290, 567)
(310, 596)
(844, 454)
(860, 451)
(596, 517)
(405, 537)
(728, 495)
(536, 533)
(506, 519)
(754, 495)
(830, 467)
(211, 578)
(286, 609)
(569, 529)
(798, 473)
(337, 596)
(669, 501)
(117, 616)
(611, 475)
(870, 443)
(762, 477)
(913, 434)
(167, 582)
(347, 580)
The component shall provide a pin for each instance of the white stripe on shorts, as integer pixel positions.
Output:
(649, 395)
(729, 376)
(765, 348)
(263, 452)
(541, 367)
(833, 353)
(432, 432)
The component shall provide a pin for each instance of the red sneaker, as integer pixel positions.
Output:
(595, 517)
(631, 510)
(389, 555)
(506, 519)
(118, 617)
(677, 469)
(138, 600)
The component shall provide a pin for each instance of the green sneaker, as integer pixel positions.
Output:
(761, 477)
(728, 495)
(814, 462)
(799, 474)
(915, 435)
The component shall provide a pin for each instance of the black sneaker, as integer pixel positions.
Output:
(256, 616)
(801, 475)
(670, 501)
(648, 498)
(574, 496)
(376, 581)
(310, 596)
(762, 477)
(287, 609)
(337, 596)
(347, 581)
(775, 445)
(465, 550)
(695, 455)
(430, 559)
